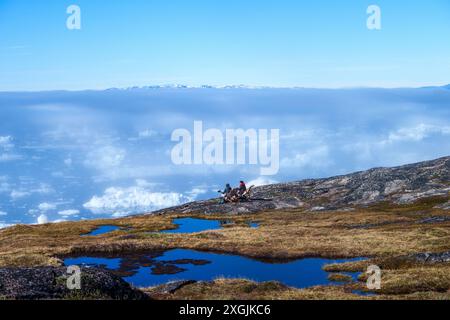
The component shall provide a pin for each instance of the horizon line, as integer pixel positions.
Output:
(225, 87)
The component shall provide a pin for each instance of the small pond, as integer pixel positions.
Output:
(192, 225)
(156, 268)
(102, 230)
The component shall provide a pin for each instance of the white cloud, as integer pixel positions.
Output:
(6, 142)
(416, 133)
(43, 188)
(261, 181)
(197, 191)
(4, 225)
(47, 206)
(305, 135)
(67, 213)
(105, 158)
(145, 184)
(18, 194)
(315, 157)
(33, 212)
(6, 146)
(5, 187)
(390, 148)
(148, 133)
(3, 213)
(68, 162)
(42, 219)
(6, 157)
(144, 134)
(122, 201)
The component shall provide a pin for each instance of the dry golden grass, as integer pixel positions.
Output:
(339, 277)
(242, 289)
(424, 278)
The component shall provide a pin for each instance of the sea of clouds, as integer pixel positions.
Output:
(82, 155)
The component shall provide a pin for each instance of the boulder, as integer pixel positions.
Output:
(49, 283)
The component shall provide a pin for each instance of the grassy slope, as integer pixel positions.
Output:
(393, 231)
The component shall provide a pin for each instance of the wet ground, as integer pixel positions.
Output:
(155, 268)
(192, 225)
(102, 230)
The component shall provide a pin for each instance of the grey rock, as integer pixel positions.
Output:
(435, 220)
(171, 287)
(399, 185)
(433, 257)
(49, 283)
(444, 206)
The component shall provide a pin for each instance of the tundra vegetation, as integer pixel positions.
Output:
(390, 234)
(398, 218)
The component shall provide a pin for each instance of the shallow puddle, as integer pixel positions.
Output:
(156, 268)
(102, 230)
(192, 225)
(364, 293)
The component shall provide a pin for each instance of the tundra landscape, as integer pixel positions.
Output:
(395, 218)
(224, 158)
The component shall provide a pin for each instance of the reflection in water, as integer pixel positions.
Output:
(102, 230)
(191, 225)
(156, 268)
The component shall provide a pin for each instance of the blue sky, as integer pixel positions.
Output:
(88, 154)
(320, 43)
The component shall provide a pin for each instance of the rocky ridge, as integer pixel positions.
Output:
(399, 185)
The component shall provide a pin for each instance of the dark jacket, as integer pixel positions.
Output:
(227, 189)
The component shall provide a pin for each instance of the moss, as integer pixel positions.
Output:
(242, 289)
(339, 277)
(420, 204)
(81, 295)
(61, 281)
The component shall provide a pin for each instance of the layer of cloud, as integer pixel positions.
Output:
(6, 157)
(45, 206)
(197, 191)
(7, 153)
(261, 181)
(122, 201)
(21, 192)
(6, 142)
(315, 157)
(416, 133)
(18, 194)
(68, 213)
(105, 157)
(323, 133)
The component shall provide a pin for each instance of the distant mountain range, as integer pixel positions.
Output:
(232, 87)
(242, 86)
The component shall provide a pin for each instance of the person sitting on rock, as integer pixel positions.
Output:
(234, 195)
(225, 192)
(242, 187)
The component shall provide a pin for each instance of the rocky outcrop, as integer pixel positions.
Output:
(399, 185)
(51, 283)
(433, 257)
(443, 206)
(171, 287)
